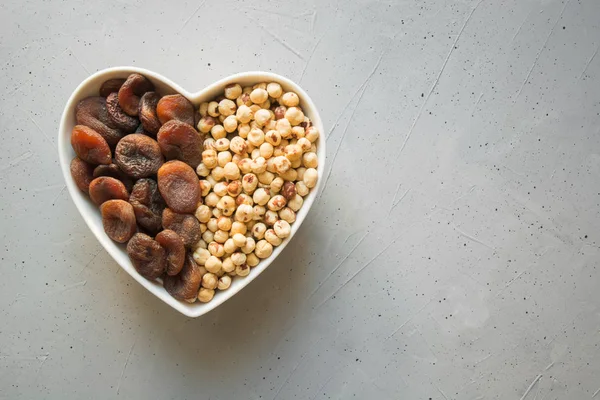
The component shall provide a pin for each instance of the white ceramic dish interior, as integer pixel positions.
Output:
(90, 213)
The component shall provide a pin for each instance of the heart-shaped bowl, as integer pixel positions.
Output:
(91, 214)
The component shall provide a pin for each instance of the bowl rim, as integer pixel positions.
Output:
(66, 153)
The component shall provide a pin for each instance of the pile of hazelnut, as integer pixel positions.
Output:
(256, 168)
(199, 196)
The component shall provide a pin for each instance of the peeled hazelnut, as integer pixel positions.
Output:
(272, 238)
(271, 217)
(274, 90)
(234, 188)
(213, 264)
(228, 265)
(259, 96)
(205, 187)
(301, 188)
(258, 230)
(282, 229)
(238, 145)
(238, 258)
(224, 282)
(242, 270)
(201, 256)
(294, 115)
(295, 203)
(281, 164)
(276, 203)
(233, 91)
(252, 260)
(224, 223)
(312, 134)
(206, 123)
(292, 152)
(263, 249)
(288, 215)
(290, 99)
(238, 227)
(248, 246)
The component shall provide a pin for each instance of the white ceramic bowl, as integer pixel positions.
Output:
(91, 214)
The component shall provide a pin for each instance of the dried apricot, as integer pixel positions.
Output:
(92, 113)
(111, 86)
(175, 250)
(82, 173)
(114, 171)
(147, 204)
(147, 256)
(131, 91)
(89, 145)
(175, 106)
(185, 225)
(179, 186)
(118, 220)
(106, 188)
(138, 155)
(147, 112)
(186, 284)
(123, 121)
(180, 141)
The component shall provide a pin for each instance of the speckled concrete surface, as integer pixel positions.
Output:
(453, 253)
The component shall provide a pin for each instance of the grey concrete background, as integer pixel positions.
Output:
(454, 251)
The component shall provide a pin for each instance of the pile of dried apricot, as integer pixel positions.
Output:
(198, 196)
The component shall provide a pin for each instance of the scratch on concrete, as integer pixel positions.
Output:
(520, 274)
(360, 88)
(395, 195)
(402, 325)
(483, 359)
(472, 238)
(437, 79)
(322, 386)
(312, 53)
(79, 61)
(438, 389)
(596, 393)
(49, 187)
(338, 266)
(342, 140)
(267, 10)
(511, 282)
(192, 15)
(17, 160)
(44, 358)
(290, 376)
(476, 104)
(357, 272)
(124, 367)
(520, 26)
(537, 57)
(282, 42)
(22, 85)
(89, 262)
(58, 195)
(40, 129)
(399, 201)
(68, 287)
(536, 380)
(589, 62)
(350, 235)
